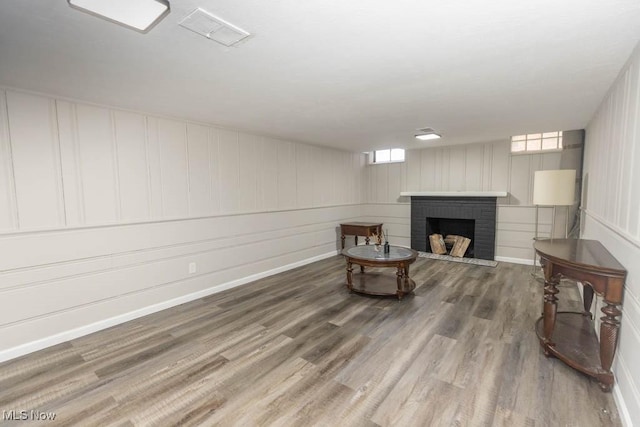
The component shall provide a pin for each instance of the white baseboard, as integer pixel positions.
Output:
(625, 417)
(623, 410)
(61, 337)
(525, 261)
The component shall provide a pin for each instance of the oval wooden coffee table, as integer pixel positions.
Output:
(379, 283)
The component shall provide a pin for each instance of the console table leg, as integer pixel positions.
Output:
(587, 292)
(550, 309)
(349, 276)
(342, 239)
(609, 335)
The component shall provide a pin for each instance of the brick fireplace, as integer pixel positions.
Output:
(474, 217)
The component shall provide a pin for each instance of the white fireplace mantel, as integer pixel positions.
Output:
(455, 193)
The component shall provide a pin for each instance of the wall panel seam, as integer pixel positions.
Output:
(209, 184)
(147, 165)
(392, 218)
(78, 158)
(161, 175)
(116, 165)
(491, 150)
(13, 192)
(295, 156)
(214, 182)
(188, 160)
(61, 174)
(509, 184)
(57, 161)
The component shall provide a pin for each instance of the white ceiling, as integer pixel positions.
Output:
(353, 74)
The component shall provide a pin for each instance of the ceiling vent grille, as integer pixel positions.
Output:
(426, 130)
(202, 22)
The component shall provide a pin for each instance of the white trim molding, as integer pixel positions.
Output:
(454, 193)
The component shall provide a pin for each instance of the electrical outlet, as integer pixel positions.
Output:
(192, 268)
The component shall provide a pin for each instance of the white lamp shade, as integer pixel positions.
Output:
(554, 187)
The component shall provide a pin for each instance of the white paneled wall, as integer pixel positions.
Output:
(611, 198)
(475, 167)
(8, 204)
(35, 156)
(102, 211)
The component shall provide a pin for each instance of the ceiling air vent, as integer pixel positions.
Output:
(426, 130)
(202, 22)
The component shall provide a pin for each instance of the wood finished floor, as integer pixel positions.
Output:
(298, 349)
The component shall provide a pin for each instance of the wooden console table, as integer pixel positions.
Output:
(356, 229)
(570, 336)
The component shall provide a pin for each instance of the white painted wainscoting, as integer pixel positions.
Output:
(611, 197)
(106, 215)
(476, 167)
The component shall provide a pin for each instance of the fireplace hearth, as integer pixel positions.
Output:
(472, 217)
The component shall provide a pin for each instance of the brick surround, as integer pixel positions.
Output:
(480, 209)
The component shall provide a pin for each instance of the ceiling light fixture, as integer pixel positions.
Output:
(139, 15)
(427, 134)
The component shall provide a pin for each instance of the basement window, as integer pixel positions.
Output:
(390, 155)
(535, 142)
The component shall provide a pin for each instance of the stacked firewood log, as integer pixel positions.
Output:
(452, 244)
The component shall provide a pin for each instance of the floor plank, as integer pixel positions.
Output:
(297, 349)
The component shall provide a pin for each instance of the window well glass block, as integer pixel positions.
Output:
(383, 156)
(518, 146)
(397, 155)
(534, 144)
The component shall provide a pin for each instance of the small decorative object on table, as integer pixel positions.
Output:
(386, 241)
(377, 239)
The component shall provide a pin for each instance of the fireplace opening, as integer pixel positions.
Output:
(482, 210)
(455, 226)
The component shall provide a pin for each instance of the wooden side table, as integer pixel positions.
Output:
(570, 336)
(356, 229)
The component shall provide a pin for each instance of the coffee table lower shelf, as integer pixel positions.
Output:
(380, 284)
